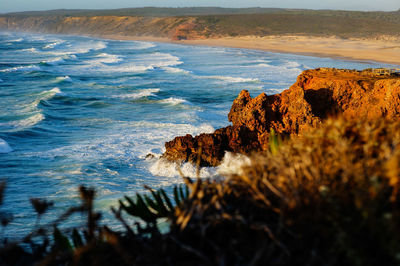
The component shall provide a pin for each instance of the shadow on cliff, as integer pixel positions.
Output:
(317, 95)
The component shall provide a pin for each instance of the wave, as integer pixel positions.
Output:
(137, 95)
(142, 63)
(232, 164)
(81, 48)
(1, 80)
(184, 128)
(16, 40)
(4, 147)
(143, 45)
(32, 50)
(43, 96)
(65, 78)
(21, 124)
(292, 64)
(53, 44)
(175, 70)
(232, 79)
(54, 61)
(288, 66)
(163, 167)
(106, 58)
(167, 60)
(22, 68)
(46, 95)
(173, 101)
(55, 91)
(101, 68)
(30, 121)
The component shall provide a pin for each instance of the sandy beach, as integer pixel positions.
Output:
(385, 51)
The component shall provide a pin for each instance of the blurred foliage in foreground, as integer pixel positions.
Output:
(330, 197)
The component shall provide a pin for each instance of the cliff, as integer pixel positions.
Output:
(170, 27)
(316, 95)
(192, 23)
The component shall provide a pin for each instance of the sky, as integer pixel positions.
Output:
(364, 5)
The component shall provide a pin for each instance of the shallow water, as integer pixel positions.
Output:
(78, 110)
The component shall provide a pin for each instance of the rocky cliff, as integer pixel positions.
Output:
(170, 27)
(316, 95)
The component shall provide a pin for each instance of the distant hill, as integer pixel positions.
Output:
(207, 22)
(148, 11)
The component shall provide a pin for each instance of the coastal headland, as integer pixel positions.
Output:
(370, 36)
(317, 95)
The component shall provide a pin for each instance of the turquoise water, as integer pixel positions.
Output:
(77, 110)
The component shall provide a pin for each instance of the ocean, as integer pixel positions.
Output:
(85, 111)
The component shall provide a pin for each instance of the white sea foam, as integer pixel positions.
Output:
(53, 44)
(31, 121)
(53, 61)
(65, 78)
(80, 48)
(173, 101)
(232, 79)
(43, 96)
(107, 58)
(22, 68)
(55, 91)
(4, 147)
(292, 64)
(289, 68)
(263, 65)
(32, 50)
(141, 63)
(124, 68)
(166, 60)
(175, 70)
(16, 40)
(143, 45)
(22, 123)
(232, 164)
(162, 167)
(137, 95)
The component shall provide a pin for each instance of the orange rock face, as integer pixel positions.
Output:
(316, 95)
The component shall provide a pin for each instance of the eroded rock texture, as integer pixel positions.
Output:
(316, 95)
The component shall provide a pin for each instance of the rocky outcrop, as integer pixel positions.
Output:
(316, 95)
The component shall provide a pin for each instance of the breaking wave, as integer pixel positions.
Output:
(22, 124)
(137, 95)
(65, 78)
(232, 79)
(175, 70)
(173, 101)
(53, 44)
(22, 68)
(163, 167)
(143, 45)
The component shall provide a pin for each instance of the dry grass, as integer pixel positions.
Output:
(327, 198)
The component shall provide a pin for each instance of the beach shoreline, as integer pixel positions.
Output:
(384, 51)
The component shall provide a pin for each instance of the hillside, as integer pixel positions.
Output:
(198, 23)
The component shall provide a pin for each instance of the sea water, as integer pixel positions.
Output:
(85, 111)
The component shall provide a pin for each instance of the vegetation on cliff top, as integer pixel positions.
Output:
(211, 22)
(330, 197)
